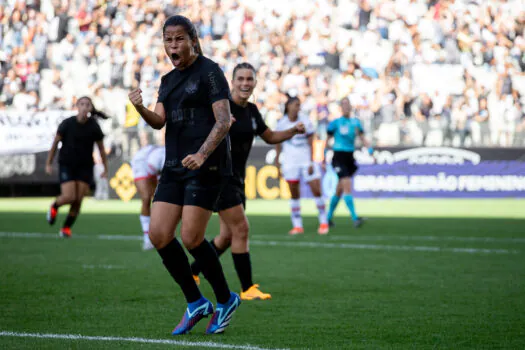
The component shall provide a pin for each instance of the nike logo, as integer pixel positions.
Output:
(203, 307)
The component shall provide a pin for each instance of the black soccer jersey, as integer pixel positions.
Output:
(78, 140)
(249, 123)
(187, 97)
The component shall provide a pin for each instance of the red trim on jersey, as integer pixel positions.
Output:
(293, 181)
(144, 177)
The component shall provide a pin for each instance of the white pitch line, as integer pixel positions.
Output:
(351, 237)
(200, 344)
(383, 247)
(289, 243)
(103, 267)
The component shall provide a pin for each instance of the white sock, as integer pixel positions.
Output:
(144, 222)
(321, 207)
(295, 206)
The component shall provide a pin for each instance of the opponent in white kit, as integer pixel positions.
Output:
(296, 162)
(146, 166)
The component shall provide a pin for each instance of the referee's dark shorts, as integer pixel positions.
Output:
(344, 164)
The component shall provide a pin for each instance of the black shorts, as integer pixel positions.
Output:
(68, 173)
(201, 191)
(231, 196)
(344, 164)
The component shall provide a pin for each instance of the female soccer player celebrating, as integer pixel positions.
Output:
(344, 130)
(233, 222)
(78, 135)
(194, 105)
(297, 162)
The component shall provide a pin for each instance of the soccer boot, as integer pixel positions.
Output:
(197, 280)
(223, 315)
(65, 232)
(323, 229)
(296, 231)
(51, 215)
(253, 293)
(194, 313)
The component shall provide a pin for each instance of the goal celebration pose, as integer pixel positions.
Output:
(194, 105)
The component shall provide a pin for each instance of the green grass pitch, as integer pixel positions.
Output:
(420, 274)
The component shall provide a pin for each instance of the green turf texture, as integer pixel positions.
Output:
(323, 298)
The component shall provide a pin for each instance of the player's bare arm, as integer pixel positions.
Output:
(51, 154)
(274, 137)
(311, 144)
(156, 119)
(104, 157)
(221, 111)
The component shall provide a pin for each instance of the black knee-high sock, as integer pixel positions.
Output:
(176, 262)
(212, 270)
(243, 266)
(195, 267)
(70, 220)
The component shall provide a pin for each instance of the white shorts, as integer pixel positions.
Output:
(141, 170)
(139, 164)
(155, 161)
(294, 173)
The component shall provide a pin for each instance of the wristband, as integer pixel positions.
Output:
(370, 150)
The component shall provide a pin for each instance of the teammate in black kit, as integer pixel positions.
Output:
(247, 123)
(193, 104)
(78, 135)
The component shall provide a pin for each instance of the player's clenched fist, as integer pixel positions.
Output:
(135, 96)
(299, 128)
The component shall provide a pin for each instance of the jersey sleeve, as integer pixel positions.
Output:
(163, 89)
(332, 127)
(62, 128)
(259, 121)
(217, 85)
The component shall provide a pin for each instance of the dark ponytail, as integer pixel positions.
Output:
(94, 112)
(99, 114)
(189, 27)
(290, 100)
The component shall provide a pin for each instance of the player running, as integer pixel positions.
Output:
(146, 166)
(78, 135)
(344, 131)
(297, 162)
(234, 226)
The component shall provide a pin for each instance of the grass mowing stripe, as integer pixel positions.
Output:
(132, 340)
(291, 244)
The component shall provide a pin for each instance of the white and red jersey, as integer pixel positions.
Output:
(296, 151)
(139, 163)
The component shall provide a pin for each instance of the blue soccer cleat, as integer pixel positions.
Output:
(223, 314)
(195, 312)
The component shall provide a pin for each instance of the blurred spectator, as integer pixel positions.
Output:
(417, 72)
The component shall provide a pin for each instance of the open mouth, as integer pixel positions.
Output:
(245, 89)
(175, 56)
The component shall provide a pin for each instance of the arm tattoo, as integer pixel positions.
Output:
(221, 110)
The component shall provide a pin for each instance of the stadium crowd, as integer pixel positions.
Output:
(417, 72)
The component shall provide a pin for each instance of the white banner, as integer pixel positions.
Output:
(22, 133)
